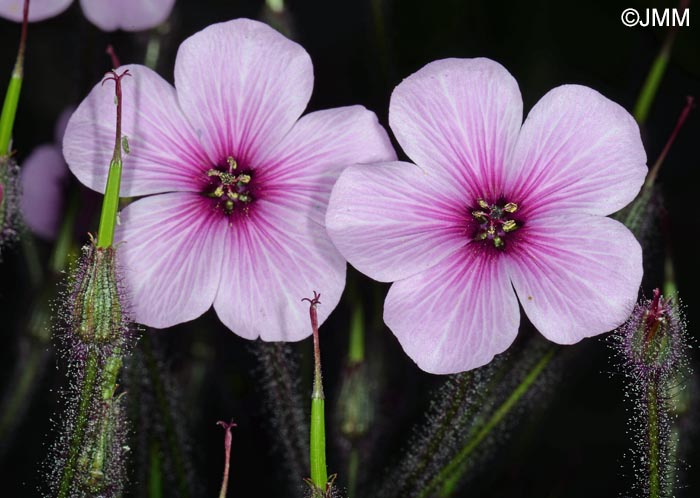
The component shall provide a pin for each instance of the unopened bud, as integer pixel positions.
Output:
(96, 307)
(102, 459)
(653, 340)
(355, 407)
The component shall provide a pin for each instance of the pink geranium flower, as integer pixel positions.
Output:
(237, 182)
(494, 205)
(108, 15)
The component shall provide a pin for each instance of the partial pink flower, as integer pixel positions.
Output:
(241, 181)
(108, 15)
(494, 208)
(43, 178)
(39, 10)
(128, 15)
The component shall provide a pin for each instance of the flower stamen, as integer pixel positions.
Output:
(230, 189)
(494, 221)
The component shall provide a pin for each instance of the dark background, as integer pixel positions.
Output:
(361, 49)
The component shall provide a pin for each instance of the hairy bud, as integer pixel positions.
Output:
(653, 351)
(653, 342)
(95, 311)
(89, 459)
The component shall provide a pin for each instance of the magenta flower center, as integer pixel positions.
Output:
(229, 187)
(493, 222)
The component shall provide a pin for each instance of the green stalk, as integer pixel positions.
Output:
(319, 472)
(654, 451)
(32, 260)
(87, 389)
(317, 457)
(9, 111)
(653, 80)
(110, 203)
(447, 479)
(155, 474)
(656, 73)
(166, 417)
(353, 468)
(16, 402)
(356, 349)
(356, 355)
(9, 107)
(64, 246)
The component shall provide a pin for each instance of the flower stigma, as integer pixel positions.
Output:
(231, 189)
(494, 222)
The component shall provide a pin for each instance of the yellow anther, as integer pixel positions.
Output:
(511, 207)
(244, 198)
(483, 204)
(491, 230)
(509, 226)
(232, 195)
(244, 179)
(228, 206)
(213, 172)
(232, 164)
(218, 192)
(498, 242)
(479, 214)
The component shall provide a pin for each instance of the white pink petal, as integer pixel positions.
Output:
(577, 276)
(165, 152)
(391, 222)
(242, 85)
(456, 316)
(171, 250)
(129, 15)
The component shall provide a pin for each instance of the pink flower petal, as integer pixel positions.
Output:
(391, 222)
(276, 257)
(242, 85)
(171, 249)
(165, 152)
(577, 151)
(456, 316)
(38, 9)
(43, 175)
(308, 161)
(129, 15)
(577, 275)
(459, 118)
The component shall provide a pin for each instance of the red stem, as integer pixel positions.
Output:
(690, 102)
(227, 448)
(117, 78)
(113, 56)
(313, 315)
(19, 64)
